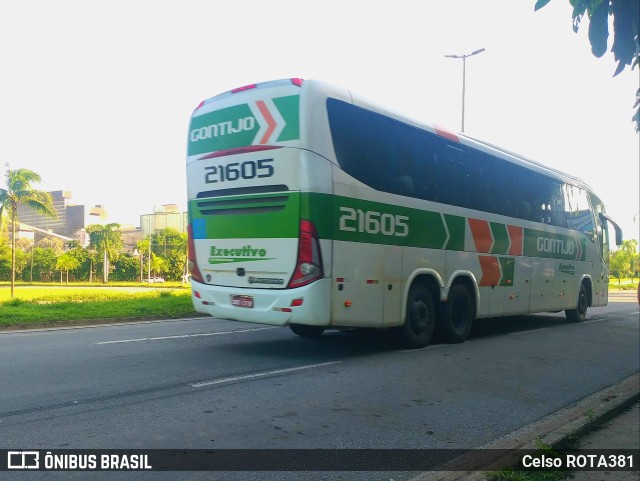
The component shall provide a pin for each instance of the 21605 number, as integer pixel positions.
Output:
(238, 170)
(371, 222)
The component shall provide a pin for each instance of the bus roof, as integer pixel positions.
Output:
(319, 89)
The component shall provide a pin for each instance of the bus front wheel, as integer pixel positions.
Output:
(579, 314)
(456, 315)
(420, 318)
(303, 330)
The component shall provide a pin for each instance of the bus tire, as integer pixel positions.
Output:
(579, 314)
(303, 330)
(420, 319)
(456, 315)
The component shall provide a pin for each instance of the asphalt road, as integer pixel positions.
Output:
(206, 383)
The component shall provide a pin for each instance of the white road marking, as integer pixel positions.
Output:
(261, 374)
(96, 326)
(185, 336)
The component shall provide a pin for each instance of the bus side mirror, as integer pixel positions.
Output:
(604, 218)
(618, 235)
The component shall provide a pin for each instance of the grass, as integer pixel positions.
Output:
(516, 475)
(48, 307)
(623, 285)
(171, 284)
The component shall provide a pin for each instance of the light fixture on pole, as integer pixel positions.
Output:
(464, 65)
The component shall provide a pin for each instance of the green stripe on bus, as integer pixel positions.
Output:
(357, 220)
(500, 238)
(257, 219)
(508, 266)
(538, 243)
(456, 227)
(289, 108)
(318, 208)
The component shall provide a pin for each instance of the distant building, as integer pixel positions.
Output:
(163, 216)
(71, 218)
(130, 237)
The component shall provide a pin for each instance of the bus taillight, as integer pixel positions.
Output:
(193, 266)
(309, 264)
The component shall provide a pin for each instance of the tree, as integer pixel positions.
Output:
(5, 259)
(125, 268)
(107, 241)
(67, 262)
(143, 246)
(44, 264)
(171, 244)
(18, 191)
(83, 258)
(626, 32)
(624, 261)
(56, 245)
(159, 264)
(92, 256)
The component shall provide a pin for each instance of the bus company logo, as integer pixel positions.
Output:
(23, 460)
(223, 128)
(241, 254)
(567, 269)
(555, 246)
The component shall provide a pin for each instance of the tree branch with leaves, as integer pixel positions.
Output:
(626, 32)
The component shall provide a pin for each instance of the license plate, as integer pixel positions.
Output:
(242, 301)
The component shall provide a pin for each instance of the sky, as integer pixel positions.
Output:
(96, 96)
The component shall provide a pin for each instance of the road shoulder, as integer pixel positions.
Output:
(560, 429)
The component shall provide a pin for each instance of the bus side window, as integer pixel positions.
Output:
(403, 185)
(557, 206)
(402, 177)
(577, 210)
(544, 214)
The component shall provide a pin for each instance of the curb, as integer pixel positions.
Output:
(560, 429)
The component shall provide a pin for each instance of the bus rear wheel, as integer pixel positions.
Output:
(579, 314)
(456, 315)
(303, 330)
(420, 319)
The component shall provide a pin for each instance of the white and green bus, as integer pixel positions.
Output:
(314, 208)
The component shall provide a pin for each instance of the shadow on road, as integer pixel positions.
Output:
(363, 342)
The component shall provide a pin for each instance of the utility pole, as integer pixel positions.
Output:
(464, 74)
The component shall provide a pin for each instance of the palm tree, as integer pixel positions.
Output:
(142, 246)
(18, 191)
(159, 264)
(107, 241)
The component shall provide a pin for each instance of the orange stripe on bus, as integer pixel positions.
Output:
(515, 234)
(270, 121)
(481, 235)
(491, 273)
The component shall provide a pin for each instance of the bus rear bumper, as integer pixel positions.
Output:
(276, 307)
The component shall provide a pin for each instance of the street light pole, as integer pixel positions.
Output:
(464, 75)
